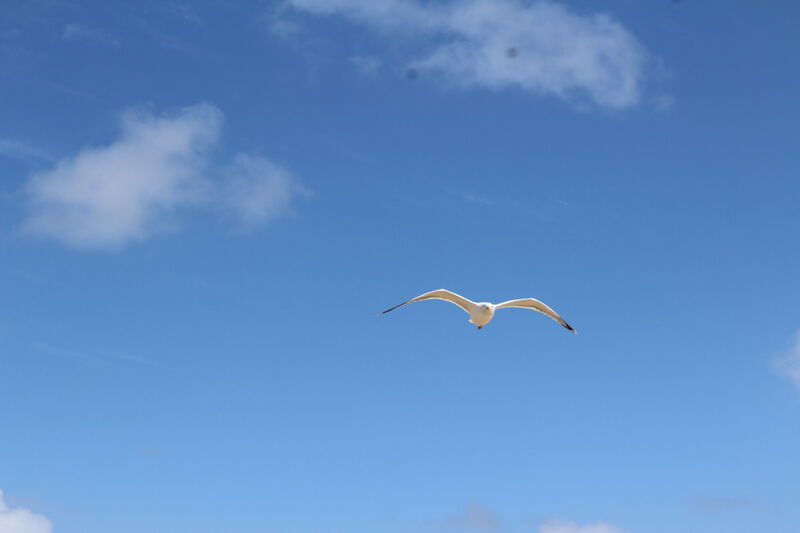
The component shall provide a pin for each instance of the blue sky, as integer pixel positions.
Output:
(204, 204)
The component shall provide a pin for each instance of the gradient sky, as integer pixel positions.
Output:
(204, 204)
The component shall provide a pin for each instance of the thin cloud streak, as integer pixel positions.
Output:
(20, 150)
(78, 32)
(87, 357)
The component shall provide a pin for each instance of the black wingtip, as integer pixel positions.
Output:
(570, 328)
(391, 309)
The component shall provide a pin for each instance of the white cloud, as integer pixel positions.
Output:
(134, 188)
(563, 526)
(257, 190)
(475, 517)
(119, 193)
(21, 520)
(542, 46)
(788, 364)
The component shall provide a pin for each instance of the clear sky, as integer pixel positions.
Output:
(204, 204)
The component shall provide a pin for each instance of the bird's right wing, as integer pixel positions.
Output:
(536, 305)
(441, 294)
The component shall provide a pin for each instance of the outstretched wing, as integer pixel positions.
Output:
(536, 305)
(441, 294)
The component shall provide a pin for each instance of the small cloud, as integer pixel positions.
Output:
(280, 24)
(367, 65)
(113, 195)
(715, 504)
(256, 190)
(21, 520)
(664, 102)
(181, 11)
(134, 188)
(563, 526)
(76, 32)
(788, 364)
(283, 28)
(475, 517)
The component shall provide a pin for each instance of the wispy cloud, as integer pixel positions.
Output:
(91, 357)
(59, 351)
(564, 526)
(18, 520)
(279, 24)
(546, 208)
(475, 517)
(182, 11)
(788, 363)
(471, 197)
(367, 65)
(78, 32)
(134, 188)
(543, 47)
(256, 190)
(20, 150)
(135, 359)
(282, 28)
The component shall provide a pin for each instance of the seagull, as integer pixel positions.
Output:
(480, 313)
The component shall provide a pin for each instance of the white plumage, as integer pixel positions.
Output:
(481, 313)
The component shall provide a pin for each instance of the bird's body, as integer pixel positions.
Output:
(481, 313)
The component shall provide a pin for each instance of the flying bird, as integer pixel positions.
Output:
(480, 313)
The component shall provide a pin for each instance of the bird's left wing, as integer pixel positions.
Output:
(536, 305)
(440, 294)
